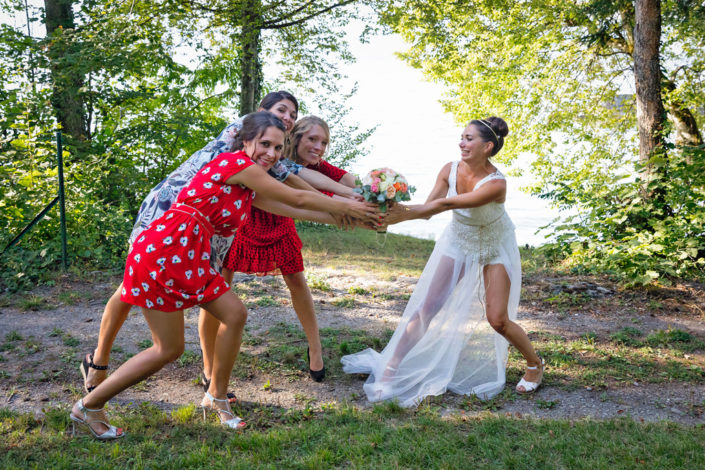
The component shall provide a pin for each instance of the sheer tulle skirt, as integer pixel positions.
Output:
(443, 337)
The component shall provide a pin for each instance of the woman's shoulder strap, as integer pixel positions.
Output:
(497, 175)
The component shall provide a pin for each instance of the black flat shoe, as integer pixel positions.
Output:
(317, 375)
(85, 365)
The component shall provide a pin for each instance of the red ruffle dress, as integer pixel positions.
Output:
(168, 266)
(267, 243)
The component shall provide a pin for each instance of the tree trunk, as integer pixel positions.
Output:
(684, 123)
(66, 80)
(251, 67)
(647, 75)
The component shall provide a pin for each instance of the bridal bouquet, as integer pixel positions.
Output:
(384, 185)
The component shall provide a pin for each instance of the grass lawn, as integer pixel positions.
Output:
(344, 437)
(339, 435)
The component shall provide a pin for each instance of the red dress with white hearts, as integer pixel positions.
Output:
(168, 266)
(267, 243)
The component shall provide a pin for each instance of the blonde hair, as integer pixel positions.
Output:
(301, 127)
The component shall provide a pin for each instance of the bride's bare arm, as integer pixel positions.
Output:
(492, 191)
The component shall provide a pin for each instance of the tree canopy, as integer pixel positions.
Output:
(136, 87)
(562, 75)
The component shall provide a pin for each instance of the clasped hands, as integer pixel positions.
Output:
(369, 216)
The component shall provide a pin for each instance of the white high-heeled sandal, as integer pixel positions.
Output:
(531, 387)
(86, 420)
(235, 422)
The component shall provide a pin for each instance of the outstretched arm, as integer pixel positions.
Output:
(492, 191)
(259, 181)
(279, 208)
(348, 180)
(322, 182)
(440, 189)
(297, 182)
(276, 207)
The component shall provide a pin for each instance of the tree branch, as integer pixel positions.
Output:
(275, 25)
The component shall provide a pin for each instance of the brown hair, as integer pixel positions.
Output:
(254, 125)
(492, 129)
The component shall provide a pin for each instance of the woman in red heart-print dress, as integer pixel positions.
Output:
(174, 254)
(167, 269)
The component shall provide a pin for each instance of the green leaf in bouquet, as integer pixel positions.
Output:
(381, 198)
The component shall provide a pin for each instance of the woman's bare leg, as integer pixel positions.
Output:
(208, 330)
(114, 315)
(302, 302)
(168, 337)
(231, 314)
(497, 286)
(437, 295)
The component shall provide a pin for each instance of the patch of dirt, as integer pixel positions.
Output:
(40, 350)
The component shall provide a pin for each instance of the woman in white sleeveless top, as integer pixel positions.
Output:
(454, 331)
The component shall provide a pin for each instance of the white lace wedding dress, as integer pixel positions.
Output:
(450, 344)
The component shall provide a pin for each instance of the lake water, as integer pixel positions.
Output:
(528, 213)
(416, 137)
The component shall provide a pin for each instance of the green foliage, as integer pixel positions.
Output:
(150, 82)
(636, 238)
(266, 301)
(317, 282)
(344, 302)
(561, 75)
(188, 358)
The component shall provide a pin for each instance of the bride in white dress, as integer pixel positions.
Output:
(455, 329)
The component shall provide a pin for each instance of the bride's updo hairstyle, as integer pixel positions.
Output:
(254, 125)
(493, 129)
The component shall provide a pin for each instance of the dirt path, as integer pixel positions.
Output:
(44, 335)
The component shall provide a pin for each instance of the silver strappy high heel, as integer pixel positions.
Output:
(99, 417)
(235, 422)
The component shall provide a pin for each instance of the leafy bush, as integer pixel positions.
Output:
(636, 238)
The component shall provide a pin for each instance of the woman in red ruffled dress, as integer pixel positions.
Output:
(168, 267)
(268, 243)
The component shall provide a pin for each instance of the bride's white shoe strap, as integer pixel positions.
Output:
(528, 386)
